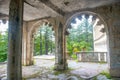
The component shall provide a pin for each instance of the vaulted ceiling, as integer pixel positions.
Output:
(36, 9)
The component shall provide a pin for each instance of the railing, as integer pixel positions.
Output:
(92, 56)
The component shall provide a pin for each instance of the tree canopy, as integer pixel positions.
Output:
(81, 35)
(3, 46)
(44, 42)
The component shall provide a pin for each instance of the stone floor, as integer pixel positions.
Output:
(43, 70)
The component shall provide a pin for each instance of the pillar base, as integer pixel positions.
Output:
(115, 72)
(60, 67)
(28, 64)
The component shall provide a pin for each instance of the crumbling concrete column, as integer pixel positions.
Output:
(60, 56)
(24, 44)
(27, 47)
(114, 46)
(111, 15)
(14, 69)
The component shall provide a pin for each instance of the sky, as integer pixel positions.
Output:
(3, 27)
(78, 21)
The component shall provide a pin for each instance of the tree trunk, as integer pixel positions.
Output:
(40, 43)
(46, 42)
(51, 45)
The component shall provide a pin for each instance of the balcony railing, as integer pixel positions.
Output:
(92, 56)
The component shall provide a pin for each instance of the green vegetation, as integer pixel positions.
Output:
(74, 56)
(3, 46)
(44, 42)
(95, 78)
(80, 37)
(107, 74)
(62, 71)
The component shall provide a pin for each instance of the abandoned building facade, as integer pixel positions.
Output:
(25, 17)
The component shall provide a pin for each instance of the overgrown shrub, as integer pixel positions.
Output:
(107, 74)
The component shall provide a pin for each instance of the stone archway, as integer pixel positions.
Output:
(59, 42)
(31, 27)
(95, 16)
(33, 31)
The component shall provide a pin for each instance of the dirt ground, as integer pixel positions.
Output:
(43, 70)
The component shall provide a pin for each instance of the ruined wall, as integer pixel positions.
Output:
(111, 15)
(28, 39)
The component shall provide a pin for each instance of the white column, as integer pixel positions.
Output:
(99, 59)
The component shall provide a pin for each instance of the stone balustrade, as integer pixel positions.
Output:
(92, 56)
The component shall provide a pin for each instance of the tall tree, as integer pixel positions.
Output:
(81, 34)
(3, 46)
(40, 41)
(46, 41)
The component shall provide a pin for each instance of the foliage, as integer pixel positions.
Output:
(44, 41)
(3, 46)
(106, 74)
(80, 37)
(84, 46)
(74, 56)
(95, 78)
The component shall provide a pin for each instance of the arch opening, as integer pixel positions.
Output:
(44, 40)
(41, 46)
(87, 39)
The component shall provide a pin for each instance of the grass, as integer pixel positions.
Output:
(107, 74)
(102, 62)
(95, 78)
(64, 71)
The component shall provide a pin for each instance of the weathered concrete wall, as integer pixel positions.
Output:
(100, 39)
(60, 55)
(27, 48)
(28, 39)
(24, 44)
(15, 40)
(111, 15)
(29, 30)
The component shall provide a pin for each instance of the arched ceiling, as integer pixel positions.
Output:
(52, 8)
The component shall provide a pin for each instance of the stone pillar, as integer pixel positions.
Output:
(111, 15)
(114, 46)
(14, 69)
(27, 45)
(60, 56)
(24, 44)
(29, 54)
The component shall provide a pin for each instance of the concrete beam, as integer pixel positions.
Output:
(53, 7)
(48, 4)
(3, 16)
